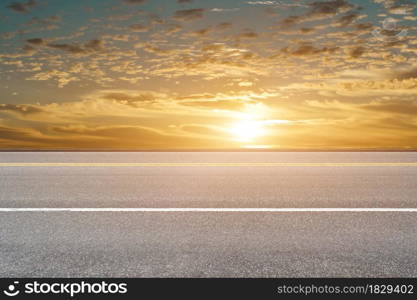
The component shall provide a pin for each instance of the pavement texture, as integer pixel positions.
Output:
(202, 244)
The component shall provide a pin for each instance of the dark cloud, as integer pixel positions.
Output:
(89, 47)
(172, 28)
(357, 52)
(224, 26)
(203, 32)
(20, 135)
(364, 26)
(155, 50)
(74, 49)
(306, 30)
(319, 10)
(292, 20)
(22, 7)
(248, 35)
(329, 8)
(95, 45)
(134, 1)
(348, 19)
(408, 74)
(36, 41)
(308, 49)
(189, 14)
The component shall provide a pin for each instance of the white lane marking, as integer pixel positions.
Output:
(150, 210)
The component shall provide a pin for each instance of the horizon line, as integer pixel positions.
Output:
(211, 150)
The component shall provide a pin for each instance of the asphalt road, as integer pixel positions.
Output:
(208, 244)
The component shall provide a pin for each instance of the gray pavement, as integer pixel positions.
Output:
(217, 244)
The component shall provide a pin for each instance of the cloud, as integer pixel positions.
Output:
(410, 73)
(21, 109)
(329, 8)
(348, 19)
(139, 28)
(292, 20)
(87, 137)
(48, 22)
(362, 88)
(319, 10)
(398, 7)
(189, 14)
(22, 7)
(19, 137)
(357, 52)
(36, 41)
(111, 137)
(123, 119)
(89, 47)
(224, 26)
(248, 34)
(231, 105)
(263, 3)
(393, 107)
(306, 49)
(135, 1)
(137, 99)
(222, 10)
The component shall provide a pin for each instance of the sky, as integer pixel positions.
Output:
(198, 74)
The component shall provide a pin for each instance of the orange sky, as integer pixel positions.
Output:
(141, 75)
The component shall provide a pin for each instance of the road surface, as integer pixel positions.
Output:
(209, 243)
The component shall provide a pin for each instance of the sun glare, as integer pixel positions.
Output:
(246, 130)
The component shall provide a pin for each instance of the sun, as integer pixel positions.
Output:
(246, 130)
